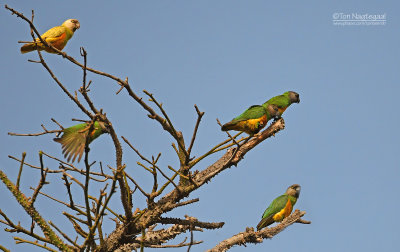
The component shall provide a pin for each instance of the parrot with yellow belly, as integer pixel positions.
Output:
(280, 207)
(57, 37)
(253, 119)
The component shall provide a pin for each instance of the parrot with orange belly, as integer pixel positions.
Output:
(253, 119)
(280, 207)
(57, 37)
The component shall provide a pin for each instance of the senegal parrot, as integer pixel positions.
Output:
(73, 139)
(284, 100)
(281, 207)
(253, 119)
(57, 36)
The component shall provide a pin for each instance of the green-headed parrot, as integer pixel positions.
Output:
(73, 139)
(253, 119)
(281, 207)
(284, 100)
(57, 36)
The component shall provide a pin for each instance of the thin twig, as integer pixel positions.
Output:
(165, 176)
(35, 134)
(99, 216)
(137, 152)
(68, 185)
(19, 240)
(212, 150)
(137, 185)
(84, 89)
(42, 181)
(20, 170)
(199, 116)
(63, 234)
(173, 132)
(87, 179)
(191, 238)
(19, 229)
(4, 249)
(59, 125)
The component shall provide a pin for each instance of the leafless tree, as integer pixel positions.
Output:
(134, 229)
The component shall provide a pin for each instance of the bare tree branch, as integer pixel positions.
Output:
(134, 230)
(250, 236)
(28, 207)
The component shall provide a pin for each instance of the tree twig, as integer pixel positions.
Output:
(20, 170)
(196, 127)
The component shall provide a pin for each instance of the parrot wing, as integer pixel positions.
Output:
(280, 101)
(54, 33)
(73, 141)
(276, 206)
(253, 112)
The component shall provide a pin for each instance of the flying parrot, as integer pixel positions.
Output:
(281, 207)
(284, 100)
(73, 139)
(253, 119)
(57, 36)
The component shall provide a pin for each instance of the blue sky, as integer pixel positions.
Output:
(340, 143)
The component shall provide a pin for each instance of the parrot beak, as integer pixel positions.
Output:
(77, 26)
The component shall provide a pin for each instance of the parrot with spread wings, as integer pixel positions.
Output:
(73, 140)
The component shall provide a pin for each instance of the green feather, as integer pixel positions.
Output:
(73, 139)
(253, 112)
(275, 207)
(280, 100)
(284, 100)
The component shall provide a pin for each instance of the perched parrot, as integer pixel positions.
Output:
(284, 100)
(281, 207)
(57, 36)
(73, 139)
(253, 119)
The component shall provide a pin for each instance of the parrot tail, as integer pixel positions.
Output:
(29, 48)
(58, 140)
(265, 222)
(228, 126)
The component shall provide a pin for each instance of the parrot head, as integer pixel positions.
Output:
(102, 126)
(294, 190)
(294, 97)
(273, 111)
(72, 24)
